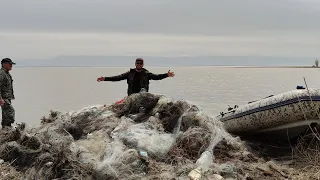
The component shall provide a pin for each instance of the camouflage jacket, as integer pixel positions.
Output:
(6, 85)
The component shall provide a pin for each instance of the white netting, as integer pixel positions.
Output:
(146, 136)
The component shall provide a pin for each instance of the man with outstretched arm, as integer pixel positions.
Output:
(137, 78)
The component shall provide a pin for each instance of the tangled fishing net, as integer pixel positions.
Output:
(145, 137)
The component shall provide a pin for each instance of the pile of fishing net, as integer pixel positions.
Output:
(146, 136)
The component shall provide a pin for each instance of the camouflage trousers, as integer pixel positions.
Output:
(8, 113)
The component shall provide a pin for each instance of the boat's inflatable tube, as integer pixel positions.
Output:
(292, 109)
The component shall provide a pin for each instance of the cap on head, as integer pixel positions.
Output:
(7, 60)
(139, 59)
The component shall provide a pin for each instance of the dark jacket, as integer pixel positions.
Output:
(144, 82)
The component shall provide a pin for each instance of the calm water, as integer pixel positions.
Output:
(39, 90)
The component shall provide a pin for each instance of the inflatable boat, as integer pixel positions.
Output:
(285, 115)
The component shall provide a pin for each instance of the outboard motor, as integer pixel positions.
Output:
(300, 87)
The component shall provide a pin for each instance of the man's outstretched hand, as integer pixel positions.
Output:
(100, 79)
(170, 74)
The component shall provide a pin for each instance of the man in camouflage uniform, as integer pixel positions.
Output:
(6, 93)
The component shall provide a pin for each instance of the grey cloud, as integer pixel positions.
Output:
(160, 16)
(48, 28)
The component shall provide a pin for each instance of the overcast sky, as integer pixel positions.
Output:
(49, 28)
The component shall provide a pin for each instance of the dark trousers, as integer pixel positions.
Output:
(8, 113)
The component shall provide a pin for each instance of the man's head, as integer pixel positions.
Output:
(139, 64)
(7, 63)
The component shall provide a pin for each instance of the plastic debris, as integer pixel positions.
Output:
(144, 155)
(205, 160)
(195, 174)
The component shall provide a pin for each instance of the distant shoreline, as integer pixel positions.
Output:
(277, 67)
(168, 66)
